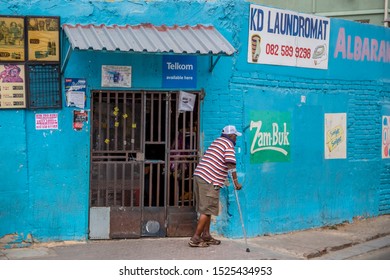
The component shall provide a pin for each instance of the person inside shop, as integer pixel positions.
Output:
(186, 141)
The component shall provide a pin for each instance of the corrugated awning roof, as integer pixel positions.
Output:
(148, 38)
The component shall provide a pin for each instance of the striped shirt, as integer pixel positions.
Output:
(213, 166)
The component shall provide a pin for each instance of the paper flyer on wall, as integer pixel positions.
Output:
(46, 121)
(116, 76)
(335, 137)
(80, 117)
(75, 92)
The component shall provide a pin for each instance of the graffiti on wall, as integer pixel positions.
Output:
(335, 136)
(282, 37)
(270, 137)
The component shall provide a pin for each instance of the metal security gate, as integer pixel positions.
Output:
(143, 153)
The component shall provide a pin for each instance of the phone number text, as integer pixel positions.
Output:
(289, 51)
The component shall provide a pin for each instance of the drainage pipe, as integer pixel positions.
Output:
(313, 7)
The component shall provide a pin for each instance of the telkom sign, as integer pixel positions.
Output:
(179, 71)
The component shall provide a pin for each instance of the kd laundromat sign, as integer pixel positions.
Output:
(270, 137)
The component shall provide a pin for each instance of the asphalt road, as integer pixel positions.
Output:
(380, 254)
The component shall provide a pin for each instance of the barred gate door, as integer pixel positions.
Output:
(183, 155)
(143, 152)
(116, 164)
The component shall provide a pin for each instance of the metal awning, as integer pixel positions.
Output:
(148, 38)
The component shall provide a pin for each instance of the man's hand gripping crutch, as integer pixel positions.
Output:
(233, 174)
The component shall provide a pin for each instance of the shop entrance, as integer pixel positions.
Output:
(143, 153)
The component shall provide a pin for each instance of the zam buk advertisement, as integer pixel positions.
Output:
(270, 136)
(282, 37)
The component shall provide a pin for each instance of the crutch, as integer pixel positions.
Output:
(242, 221)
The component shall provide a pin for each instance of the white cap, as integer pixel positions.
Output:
(231, 129)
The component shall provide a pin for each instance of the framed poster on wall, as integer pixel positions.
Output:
(12, 86)
(12, 47)
(43, 38)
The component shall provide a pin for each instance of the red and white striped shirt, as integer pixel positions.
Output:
(213, 166)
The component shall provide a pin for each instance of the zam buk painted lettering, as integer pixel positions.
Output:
(268, 140)
(270, 137)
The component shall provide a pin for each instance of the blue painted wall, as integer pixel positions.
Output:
(309, 190)
(45, 174)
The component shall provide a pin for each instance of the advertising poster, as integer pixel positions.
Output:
(12, 86)
(43, 39)
(12, 39)
(80, 117)
(179, 71)
(270, 136)
(282, 37)
(76, 90)
(116, 76)
(385, 137)
(335, 136)
(46, 121)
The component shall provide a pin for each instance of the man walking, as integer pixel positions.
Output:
(210, 175)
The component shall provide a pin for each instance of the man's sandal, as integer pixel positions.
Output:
(212, 241)
(198, 244)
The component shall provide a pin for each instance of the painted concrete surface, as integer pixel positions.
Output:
(44, 188)
(338, 242)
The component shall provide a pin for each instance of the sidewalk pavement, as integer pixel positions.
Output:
(338, 242)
